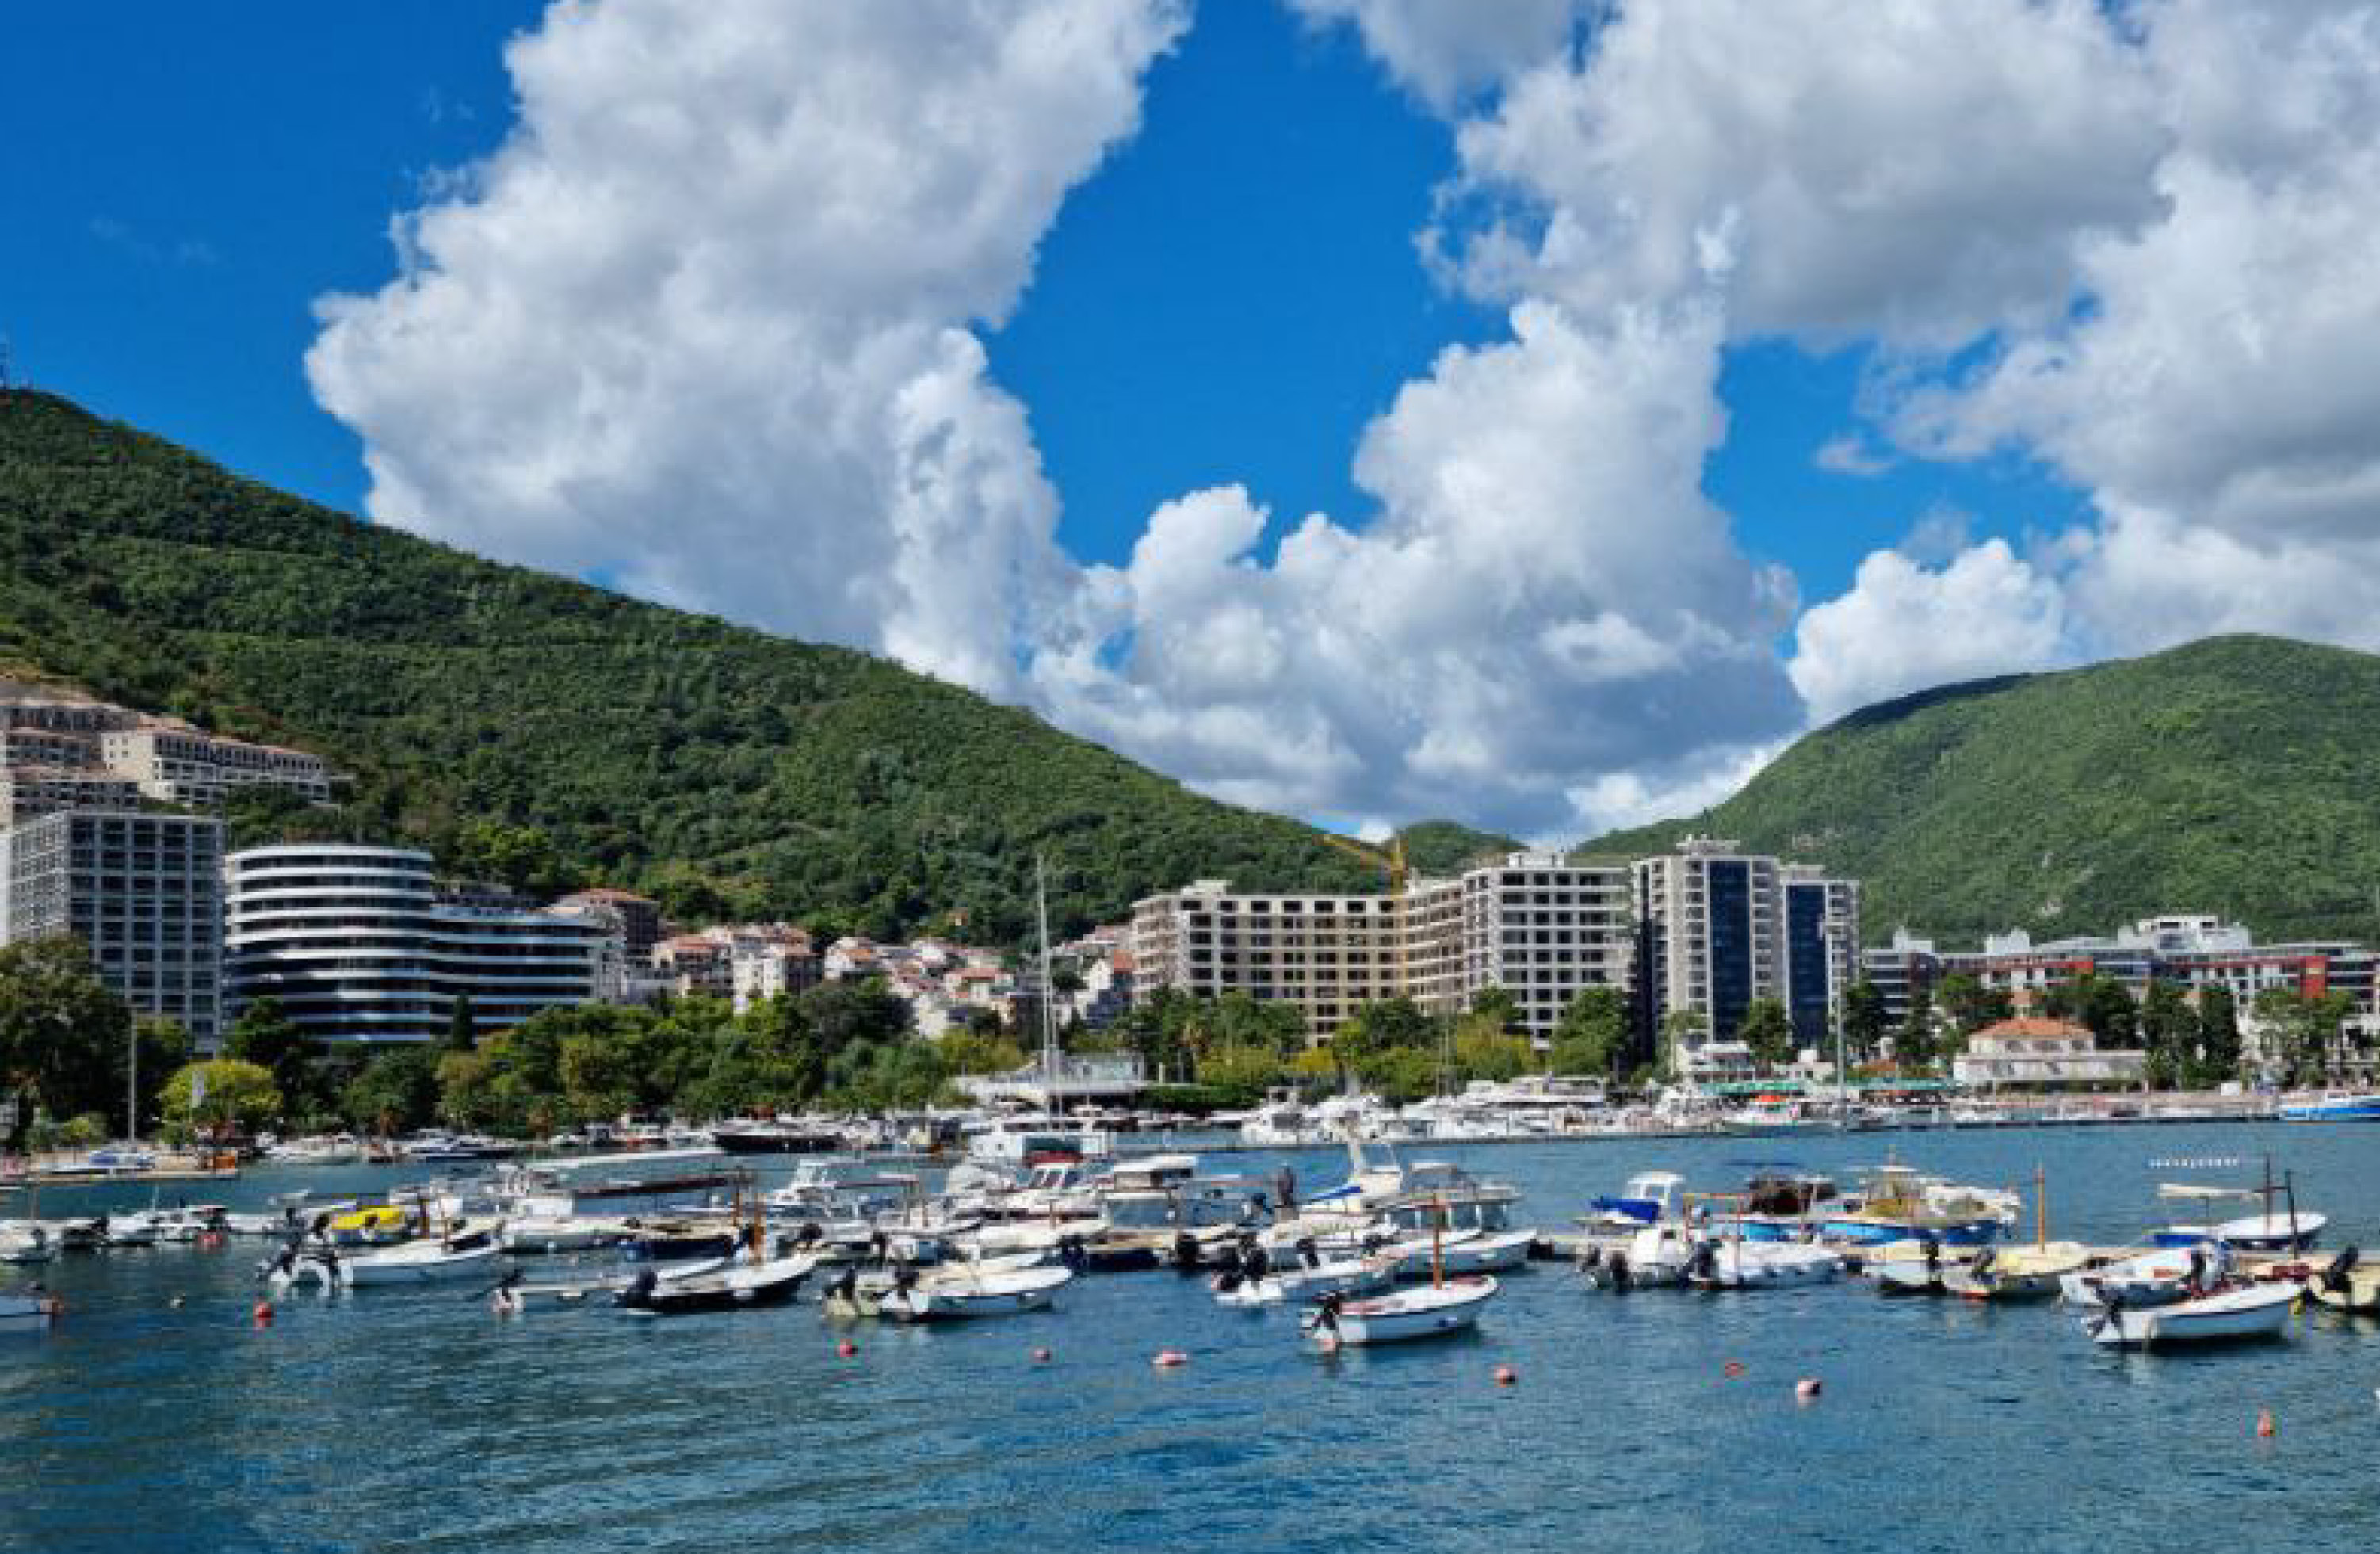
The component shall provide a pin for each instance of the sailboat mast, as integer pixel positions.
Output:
(1049, 1004)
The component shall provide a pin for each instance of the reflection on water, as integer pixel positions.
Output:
(415, 1420)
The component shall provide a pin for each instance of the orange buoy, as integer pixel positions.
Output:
(846, 1349)
(1167, 1359)
(1507, 1376)
(2266, 1428)
(1734, 1367)
(263, 1314)
(1807, 1389)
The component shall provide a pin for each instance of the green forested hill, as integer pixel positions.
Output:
(735, 771)
(2238, 775)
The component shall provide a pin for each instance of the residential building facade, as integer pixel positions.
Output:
(1720, 927)
(2028, 1053)
(143, 892)
(180, 764)
(1533, 924)
(359, 944)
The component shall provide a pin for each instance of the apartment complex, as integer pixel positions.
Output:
(2193, 951)
(359, 943)
(142, 891)
(1720, 927)
(1327, 955)
(1533, 924)
(175, 763)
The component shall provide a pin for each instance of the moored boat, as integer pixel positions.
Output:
(964, 1295)
(735, 1288)
(26, 1313)
(1434, 1311)
(2332, 1109)
(2247, 1311)
(2346, 1285)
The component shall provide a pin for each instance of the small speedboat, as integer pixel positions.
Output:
(26, 1244)
(962, 1294)
(2288, 1230)
(2164, 1276)
(729, 1288)
(1348, 1276)
(1432, 1312)
(559, 1233)
(2017, 1273)
(1761, 1265)
(2333, 1109)
(1654, 1257)
(1464, 1252)
(2243, 1311)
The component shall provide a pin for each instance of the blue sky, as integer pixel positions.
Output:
(829, 285)
(1231, 297)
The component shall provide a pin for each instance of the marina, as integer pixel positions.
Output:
(1134, 1409)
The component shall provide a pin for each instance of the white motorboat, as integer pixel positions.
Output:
(412, 1262)
(965, 1295)
(2033, 1272)
(2159, 1277)
(1448, 1307)
(1655, 1256)
(1349, 1276)
(26, 1243)
(2241, 1312)
(1464, 1252)
(1761, 1265)
(738, 1287)
(26, 1313)
(2287, 1230)
(556, 1234)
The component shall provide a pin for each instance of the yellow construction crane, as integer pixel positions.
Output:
(1390, 858)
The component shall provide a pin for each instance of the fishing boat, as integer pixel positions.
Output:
(1897, 1204)
(1650, 1197)
(1913, 1267)
(749, 1286)
(2159, 1276)
(973, 1295)
(2245, 1311)
(2333, 1109)
(1734, 1264)
(1306, 1281)
(2346, 1285)
(2017, 1273)
(26, 1313)
(1655, 1256)
(2290, 1228)
(1445, 1307)
(1781, 1202)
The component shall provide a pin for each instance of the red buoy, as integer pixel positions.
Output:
(1167, 1359)
(1507, 1376)
(263, 1314)
(1807, 1389)
(1041, 1356)
(2266, 1428)
(1734, 1367)
(846, 1349)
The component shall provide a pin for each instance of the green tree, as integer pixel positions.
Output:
(236, 1094)
(975, 1051)
(2100, 1004)
(1864, 1019)
(1914, 1048)
(462, 1025)
(2169, 1033)
(1970, 1006)
(64, 1036)
(2300, 1032)
(1242, 1072)
(1592, 1035)
(264, 1035)
(394, 1092)
(2220, 1048)
(1767, 1031)
(1680, 1028)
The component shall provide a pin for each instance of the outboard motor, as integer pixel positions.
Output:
(1703, 1263)
(1621, 1279)
(1308, 1253)
(1185, 1252)
(1257, 1264)
(2333, 1278)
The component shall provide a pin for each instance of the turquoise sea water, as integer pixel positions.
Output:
(403, 1420)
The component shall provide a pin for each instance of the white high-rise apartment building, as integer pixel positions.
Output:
(1538, 926)
(359, 944)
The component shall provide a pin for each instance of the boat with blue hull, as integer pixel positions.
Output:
(2333, 1109)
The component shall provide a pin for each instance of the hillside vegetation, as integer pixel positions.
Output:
(733, 771)
(2238, 775)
